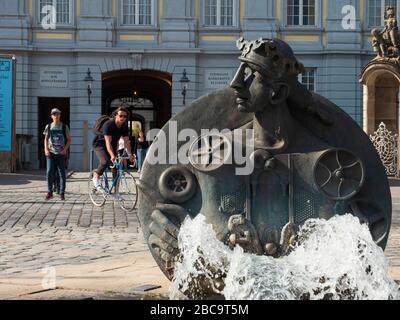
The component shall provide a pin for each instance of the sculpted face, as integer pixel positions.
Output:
(253, 92)
(250, 89)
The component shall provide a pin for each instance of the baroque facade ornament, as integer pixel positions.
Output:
(386, 42)
(386, 144)
(137, 59)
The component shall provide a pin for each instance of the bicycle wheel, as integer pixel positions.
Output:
(97, 195)
(128, 192)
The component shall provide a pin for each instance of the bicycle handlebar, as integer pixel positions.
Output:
(117, 160)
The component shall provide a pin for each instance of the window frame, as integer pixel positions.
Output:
(152, 24)
(71, 23)
(235, 15)
(308, 70)
(318, 16)
(383, 9)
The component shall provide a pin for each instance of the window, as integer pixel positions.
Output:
(220, 13)
(63, 10)
(301, 12)
(137, 12)
(377, 10)
(308, 79)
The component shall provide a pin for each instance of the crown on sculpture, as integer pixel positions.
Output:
(274, 57)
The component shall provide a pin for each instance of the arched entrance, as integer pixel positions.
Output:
(386, 101)
(381, 81)
(146, 93)
(381, 98)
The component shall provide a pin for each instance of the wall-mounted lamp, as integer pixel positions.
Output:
(89, 80)
(135, 94)
(184, 84)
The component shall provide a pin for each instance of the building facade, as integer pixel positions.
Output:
(92, 55)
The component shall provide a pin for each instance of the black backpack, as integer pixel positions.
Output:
(98, 125)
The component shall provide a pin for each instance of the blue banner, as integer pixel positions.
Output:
(6, 101)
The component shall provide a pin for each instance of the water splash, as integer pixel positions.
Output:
(336, 259)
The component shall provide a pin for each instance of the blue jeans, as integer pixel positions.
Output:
(140, 154)
(55, 162)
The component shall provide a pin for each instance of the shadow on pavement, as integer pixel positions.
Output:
(27, 178)
(22, 178)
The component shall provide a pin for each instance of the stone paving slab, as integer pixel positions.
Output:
(107, 278)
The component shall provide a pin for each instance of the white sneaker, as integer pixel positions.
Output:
(96, 182)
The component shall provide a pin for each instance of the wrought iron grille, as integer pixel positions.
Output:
(385, 143)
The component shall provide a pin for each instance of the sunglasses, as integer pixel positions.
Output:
(56, 114)
(123, 116)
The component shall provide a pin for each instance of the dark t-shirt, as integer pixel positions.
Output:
(111, 129)
(142, 144)
(55, 136)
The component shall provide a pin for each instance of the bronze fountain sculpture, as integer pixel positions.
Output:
(311, 160)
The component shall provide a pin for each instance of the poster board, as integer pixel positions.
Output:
(7, 113)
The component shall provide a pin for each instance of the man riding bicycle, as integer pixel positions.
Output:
(105, 144)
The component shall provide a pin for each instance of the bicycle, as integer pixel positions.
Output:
(123, 183)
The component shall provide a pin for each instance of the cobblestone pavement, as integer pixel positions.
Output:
(22, 204)
(35, 234)
(392, 251)
(27, 250)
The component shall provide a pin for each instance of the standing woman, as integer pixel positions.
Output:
(56, 143)
(142, 146)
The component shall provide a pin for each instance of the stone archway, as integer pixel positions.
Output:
(381, 83)
(145, 92)
(386, 101)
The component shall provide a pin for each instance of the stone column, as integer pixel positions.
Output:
(365, 108)
(369, 108)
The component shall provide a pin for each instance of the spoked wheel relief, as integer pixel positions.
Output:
(339, 174)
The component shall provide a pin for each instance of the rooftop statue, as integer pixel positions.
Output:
(386, 41)
(311, 160)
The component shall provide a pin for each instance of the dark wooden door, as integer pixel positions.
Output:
(44, 108)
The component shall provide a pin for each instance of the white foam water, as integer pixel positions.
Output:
(335, 259)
